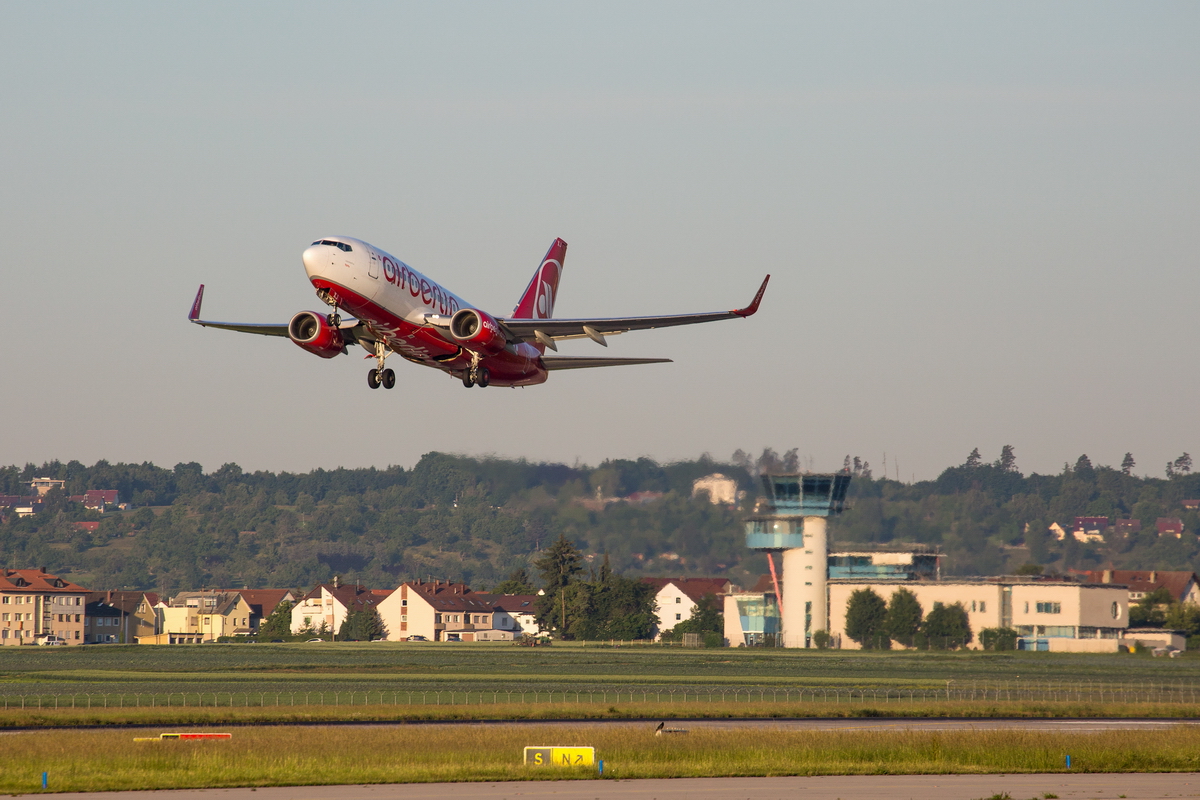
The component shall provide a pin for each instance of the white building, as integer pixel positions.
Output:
(1059, 616)
(443, 611)
(328, 604)
(1047, 615)
(677, 598)
(722, 490)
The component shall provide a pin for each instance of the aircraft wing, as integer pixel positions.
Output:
(572, 362)
(548, 331)
(351, 331)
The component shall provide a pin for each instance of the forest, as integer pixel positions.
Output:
(476, 519)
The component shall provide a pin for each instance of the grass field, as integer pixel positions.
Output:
(114, 684)
(456, 661)
(32, 718)
(111, 760)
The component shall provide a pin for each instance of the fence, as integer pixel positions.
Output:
(953, 691)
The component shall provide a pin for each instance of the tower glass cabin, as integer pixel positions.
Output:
(790, 517)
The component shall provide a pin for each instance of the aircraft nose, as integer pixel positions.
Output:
(313, 260)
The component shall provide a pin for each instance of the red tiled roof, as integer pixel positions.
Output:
(447, 596)
(354, 595)
(264, 599)
(515, 603)
(1169, 525)
(35, 580)
(87, 526)
(1147, 580)
(126, 601)
(765, 584)
(694, 588)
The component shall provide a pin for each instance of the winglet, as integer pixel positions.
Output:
(194, 314)
(741, 312)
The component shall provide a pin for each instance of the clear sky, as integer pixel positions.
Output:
(981, 222)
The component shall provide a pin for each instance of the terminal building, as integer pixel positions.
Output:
(1048, 613)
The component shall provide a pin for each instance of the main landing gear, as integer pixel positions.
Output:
(476, 375)
(380, 376)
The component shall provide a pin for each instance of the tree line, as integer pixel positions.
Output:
(475, 519)
(875, 624)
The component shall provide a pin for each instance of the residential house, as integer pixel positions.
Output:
(35, 604)
(722, 490)
(194, 617)
(102, 623)
(676, 599)
(96, 499)
(446, 611)
(1090, 529)
(263, 602)
(1169, 526)
(516, 613)
(136, 613)
(29, 508)
(326, 607)
(1127, 526)
(1084, 529)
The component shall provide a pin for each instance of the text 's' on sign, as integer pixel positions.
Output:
(560, 756)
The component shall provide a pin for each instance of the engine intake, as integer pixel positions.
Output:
(312, 331)
(477, 331)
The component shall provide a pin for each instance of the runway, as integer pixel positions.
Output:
(1138, 786)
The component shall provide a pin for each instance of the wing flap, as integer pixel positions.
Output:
(579, 362)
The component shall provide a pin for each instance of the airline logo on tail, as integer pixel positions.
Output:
(538, 300)
(547, 282)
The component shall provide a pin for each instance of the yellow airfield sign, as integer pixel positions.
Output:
(560, 756)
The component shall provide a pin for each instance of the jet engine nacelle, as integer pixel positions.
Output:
(313, 332)
(477, 331)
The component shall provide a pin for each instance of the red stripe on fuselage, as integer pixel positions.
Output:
(519, 366)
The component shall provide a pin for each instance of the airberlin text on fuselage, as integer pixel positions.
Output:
(431, 294)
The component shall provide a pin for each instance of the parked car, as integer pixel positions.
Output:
(51, 641)
(310, 641)
(416, 637)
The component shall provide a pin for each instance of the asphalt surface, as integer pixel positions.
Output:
(1137, 786)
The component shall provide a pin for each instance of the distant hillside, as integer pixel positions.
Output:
(477, 519)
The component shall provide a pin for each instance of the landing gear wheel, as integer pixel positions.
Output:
(483, 377)
(468, 380)
(373, 379)
(389, 379)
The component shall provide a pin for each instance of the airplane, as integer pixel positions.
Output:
(397, 310)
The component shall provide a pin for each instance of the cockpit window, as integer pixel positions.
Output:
(339, 245)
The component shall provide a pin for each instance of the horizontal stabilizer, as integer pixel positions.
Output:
(573, 362)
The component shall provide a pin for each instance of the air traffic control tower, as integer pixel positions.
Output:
(790, 516)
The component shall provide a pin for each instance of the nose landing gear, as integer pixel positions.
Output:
(380, 376)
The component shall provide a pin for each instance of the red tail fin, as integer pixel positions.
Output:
(538, 300)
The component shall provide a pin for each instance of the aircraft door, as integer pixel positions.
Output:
(373, 266)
